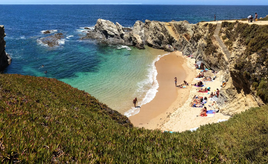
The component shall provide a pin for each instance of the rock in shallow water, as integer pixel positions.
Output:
(52, 40)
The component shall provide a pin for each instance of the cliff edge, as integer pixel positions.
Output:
(219, 46)
(5, 59)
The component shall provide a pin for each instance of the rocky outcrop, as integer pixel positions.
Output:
(191, 39)
(245, 67)
(5, 59)
(52, 40)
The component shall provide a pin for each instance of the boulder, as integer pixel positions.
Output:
(52, 40)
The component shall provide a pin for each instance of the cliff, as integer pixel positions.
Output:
(5, 59)
(244, 71)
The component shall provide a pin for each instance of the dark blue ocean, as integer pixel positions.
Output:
(113, 74)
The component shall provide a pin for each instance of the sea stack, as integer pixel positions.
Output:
(5, 59)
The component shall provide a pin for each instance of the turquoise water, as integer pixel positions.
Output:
(122, 75)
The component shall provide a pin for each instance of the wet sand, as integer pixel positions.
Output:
(169, 97)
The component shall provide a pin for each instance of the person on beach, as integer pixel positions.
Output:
(217, 92)
(135, 101)
(175, 81)
(250, 18)
(199, 84)
(203, 112)
(185, 82)
(214, 17)
(256, 17)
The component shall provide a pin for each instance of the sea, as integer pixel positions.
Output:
(115, 75)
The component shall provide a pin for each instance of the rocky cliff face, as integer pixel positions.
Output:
(244, 71)
(192, 39)
(5, 59)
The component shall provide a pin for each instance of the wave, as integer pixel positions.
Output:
(50, 31)
(121, 47)
(70, 36)
(60, 42)
(41, 43)
(85, 29)
(151, 93)
(22, 37)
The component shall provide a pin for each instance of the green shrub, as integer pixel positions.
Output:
(46, 121)
(224, 37)
(262, 90)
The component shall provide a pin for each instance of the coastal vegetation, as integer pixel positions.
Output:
(251, 62)
(45, 120)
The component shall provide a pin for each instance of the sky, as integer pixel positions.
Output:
(176, 2)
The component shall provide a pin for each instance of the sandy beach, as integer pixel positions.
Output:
(170, 109)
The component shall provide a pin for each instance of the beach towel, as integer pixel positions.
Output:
(210, 112)
(203, 91)
(197, 106)
(168, 131)
(199, 86)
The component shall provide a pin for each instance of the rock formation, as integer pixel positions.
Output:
(5, 59)
(199, 41)
(52, 40)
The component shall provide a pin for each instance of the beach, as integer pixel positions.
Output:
(170, 109)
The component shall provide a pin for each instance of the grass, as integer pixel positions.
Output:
(46, 121)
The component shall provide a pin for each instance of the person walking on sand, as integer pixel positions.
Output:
(135, 101)
(175, 81)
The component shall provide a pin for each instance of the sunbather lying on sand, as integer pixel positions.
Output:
(200, 75)
(203, 112)
(198, 101)
(203, 90)
(199, 84)
(207, 79)
(181, 86)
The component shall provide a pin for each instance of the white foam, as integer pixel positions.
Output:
(70, 36)
(84, 30)
(121, 47)
(22, 37)
(150, 94)
(41, 43)
(133, 111)
(61, 41)
(51, 31)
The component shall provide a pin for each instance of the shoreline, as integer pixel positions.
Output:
(176, 114)
(155, 113)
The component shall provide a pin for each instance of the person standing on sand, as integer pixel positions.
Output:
(175, 81)
(135, 101)
(256, 17)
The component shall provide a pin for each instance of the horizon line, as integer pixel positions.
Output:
(123, 4)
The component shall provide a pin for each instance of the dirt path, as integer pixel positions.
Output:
(221, 44)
